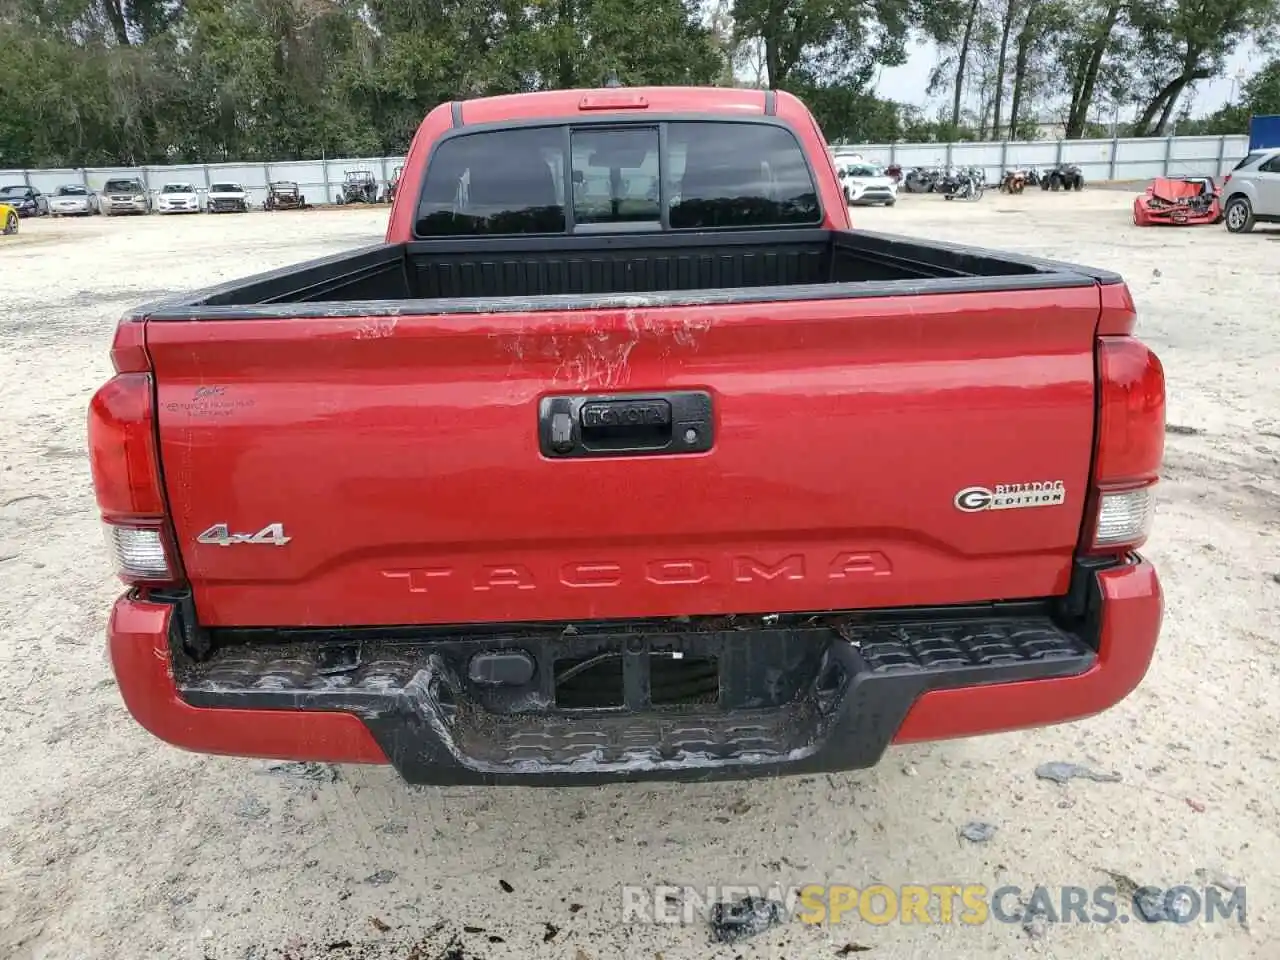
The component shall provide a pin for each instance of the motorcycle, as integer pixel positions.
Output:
(921, 180)
(963, 184)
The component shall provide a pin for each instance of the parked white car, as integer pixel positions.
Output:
(866, 183)
(73, 200)
(178, 198)
(227, 197)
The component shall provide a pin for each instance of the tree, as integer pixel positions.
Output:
(1182, 41)
(825, 41)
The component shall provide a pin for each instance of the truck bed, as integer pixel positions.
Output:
(451, 276)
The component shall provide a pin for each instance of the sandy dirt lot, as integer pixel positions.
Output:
(114, 845)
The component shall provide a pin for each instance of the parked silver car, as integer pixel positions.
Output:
(226, 197)
(125, 195)
(73, 200)
(1251, 192)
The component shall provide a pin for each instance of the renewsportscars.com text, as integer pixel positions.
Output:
(965, 904)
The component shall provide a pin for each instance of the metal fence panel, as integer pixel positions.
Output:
(1119, 159)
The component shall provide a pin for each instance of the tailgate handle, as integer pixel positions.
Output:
(625, 424)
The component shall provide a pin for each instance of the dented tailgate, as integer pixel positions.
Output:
(485, 467)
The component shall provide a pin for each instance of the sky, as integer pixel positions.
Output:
(907, 83)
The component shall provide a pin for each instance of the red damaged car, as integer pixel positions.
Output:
(1179, 202)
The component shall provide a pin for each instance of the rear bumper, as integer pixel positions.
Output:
(827, 699)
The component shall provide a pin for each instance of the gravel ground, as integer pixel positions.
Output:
(115, 845)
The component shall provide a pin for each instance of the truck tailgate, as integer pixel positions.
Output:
(401, 458)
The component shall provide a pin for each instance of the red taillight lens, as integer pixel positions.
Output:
(126, 478)
(1130, 445)
(122, 449)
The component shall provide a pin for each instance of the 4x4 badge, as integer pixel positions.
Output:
(220, 536)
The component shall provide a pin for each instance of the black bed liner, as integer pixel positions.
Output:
(627, 270)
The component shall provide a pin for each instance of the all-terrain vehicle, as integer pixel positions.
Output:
(1065, 176)
(358, 186)
(284, 195)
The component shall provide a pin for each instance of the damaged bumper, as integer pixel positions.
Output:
(1146, 214)
(707, 698)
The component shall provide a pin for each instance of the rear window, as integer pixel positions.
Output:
(1249, 160)
(714, 174)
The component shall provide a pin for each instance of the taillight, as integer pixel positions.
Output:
(1130, 445)
(126, 479)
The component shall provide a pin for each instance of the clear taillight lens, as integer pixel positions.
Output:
(138, 553)
(1124, 518)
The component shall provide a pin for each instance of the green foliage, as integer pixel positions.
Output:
(106, 82)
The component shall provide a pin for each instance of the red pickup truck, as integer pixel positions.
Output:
(626, 457)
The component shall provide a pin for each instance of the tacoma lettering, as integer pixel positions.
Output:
(683, 571)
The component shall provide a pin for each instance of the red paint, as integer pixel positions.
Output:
(400, 454)
(138, 642)
(1131, 616)
(138, 638)
(843, 428)
(568, 104)
(1166, 202)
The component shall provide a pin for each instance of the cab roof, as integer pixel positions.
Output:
(632, 101)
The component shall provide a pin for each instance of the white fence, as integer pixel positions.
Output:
(1120, 159)
(321, 180)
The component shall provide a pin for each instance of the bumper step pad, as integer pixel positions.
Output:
(823, 692)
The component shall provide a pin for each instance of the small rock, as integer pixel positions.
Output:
(909, 770)
(1156, 272)
(251, 808)
(381, 877)
(1035, 926)
(975, 831)
(1156, 908)
(1060, 772)
(1182, 431)
(1217, 878)
(731, 922)
(851, 948)
(506, 887)
(549, 932)
(380, 925)
(1195, 805)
